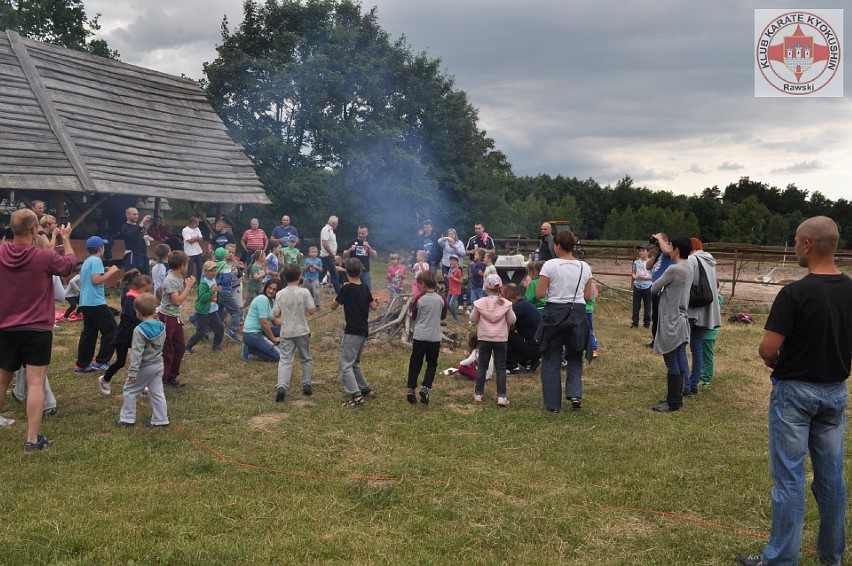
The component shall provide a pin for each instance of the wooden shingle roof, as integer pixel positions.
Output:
(78, 123)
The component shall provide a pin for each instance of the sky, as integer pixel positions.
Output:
(661, 91)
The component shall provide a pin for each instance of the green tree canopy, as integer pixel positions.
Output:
(317, 85)
(61, 22)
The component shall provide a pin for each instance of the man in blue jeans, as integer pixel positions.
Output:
(808, 345)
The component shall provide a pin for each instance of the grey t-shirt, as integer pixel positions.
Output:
(172, 284)
(292, 304)
(430, 309)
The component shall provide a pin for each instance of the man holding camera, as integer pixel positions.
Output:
(659, 259)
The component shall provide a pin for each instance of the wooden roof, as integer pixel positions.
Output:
(78, 123)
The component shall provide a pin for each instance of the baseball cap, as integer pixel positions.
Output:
(94, 243)
(210, 264)
(292, 238)
(454, 257)
(220, 253)
(493, 281)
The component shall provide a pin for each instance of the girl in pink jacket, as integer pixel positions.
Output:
(493, 315)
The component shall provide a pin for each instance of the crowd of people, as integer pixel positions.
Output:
(547, 321)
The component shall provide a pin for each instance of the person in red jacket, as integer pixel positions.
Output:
(26, 324)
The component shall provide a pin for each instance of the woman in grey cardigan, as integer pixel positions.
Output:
(673, 326)
(701, 319)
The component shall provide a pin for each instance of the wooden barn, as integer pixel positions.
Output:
(77, 130)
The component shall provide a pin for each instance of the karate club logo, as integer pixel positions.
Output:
(798, 53)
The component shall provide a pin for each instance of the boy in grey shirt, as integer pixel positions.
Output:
(426, 313)
(292, 303)
(146, 365)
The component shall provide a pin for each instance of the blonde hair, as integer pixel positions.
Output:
(47, 219)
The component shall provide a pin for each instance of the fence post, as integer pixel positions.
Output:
(734, 277)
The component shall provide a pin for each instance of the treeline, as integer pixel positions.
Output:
(746, 211)
(341, 120)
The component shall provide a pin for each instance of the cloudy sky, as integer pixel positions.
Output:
(661, 90)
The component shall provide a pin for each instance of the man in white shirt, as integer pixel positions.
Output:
(192, 239)
(328, 249)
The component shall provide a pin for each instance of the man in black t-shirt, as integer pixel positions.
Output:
(427, 241)
(135, 246)
(480, 240)
(808, 345)
(361, 249)
(221, 237)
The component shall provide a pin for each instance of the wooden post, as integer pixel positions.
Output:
(158, 203)
(734, 278)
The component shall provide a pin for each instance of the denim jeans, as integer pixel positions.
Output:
(641, 298)
(590, 318)
(696, 345)
(228, 304)
(676, 361)
(259, 345)
(367, 279)
(475, 295)
(452, 306)
(331, 270)
(806, 417)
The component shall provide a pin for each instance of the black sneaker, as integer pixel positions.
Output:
(411, 397)
(156, 426)
(424, 395)
(175, 382)
(575, 402)
(513, 370)
(50, 412)
(41, 443)
(307, 390)
(750, 560)
(532, 366)
(280, 395)
(121, 424)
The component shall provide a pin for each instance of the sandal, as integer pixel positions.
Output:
(369, 394)
(355, 402)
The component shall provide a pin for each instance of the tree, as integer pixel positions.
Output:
(61, 22)
(318, 85)
(747, 222)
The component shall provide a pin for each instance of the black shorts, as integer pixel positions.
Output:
(25, 347)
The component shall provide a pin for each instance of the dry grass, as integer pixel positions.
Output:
(241, 479)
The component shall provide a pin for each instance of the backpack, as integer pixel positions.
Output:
(700, 293)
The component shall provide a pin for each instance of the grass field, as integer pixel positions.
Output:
(238, 478)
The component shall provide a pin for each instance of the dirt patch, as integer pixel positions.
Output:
(756, 283)
(267, 421)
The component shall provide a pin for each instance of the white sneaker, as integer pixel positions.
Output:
(4, 422)
(477, 397)
(105, 387)
(502, 402)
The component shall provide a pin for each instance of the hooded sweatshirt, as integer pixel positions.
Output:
(147, 347)
(28, 272)
(711, 315)
(492, 319)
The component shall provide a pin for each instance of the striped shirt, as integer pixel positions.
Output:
(254, 239)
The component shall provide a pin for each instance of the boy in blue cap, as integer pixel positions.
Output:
(97, 318)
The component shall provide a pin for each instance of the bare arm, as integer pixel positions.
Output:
(770, 347)
(178, 298)
(541, 288)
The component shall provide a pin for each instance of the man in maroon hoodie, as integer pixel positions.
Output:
(26, 324)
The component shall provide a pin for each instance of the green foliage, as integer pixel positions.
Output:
(747, 222)
(319, 86)
(61, 22)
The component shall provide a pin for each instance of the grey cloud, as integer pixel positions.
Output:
(727, 166)
(800, 167)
